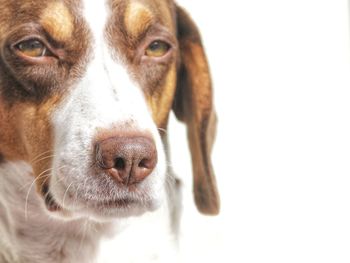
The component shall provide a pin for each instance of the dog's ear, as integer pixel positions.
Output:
(193, 104)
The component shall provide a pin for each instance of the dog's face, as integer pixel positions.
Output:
(86, 90)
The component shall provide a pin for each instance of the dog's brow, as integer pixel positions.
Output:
(137, 18)
(57, 21)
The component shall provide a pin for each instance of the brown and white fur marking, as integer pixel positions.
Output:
(95, 83)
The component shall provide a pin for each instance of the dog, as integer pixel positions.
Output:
(86, 89)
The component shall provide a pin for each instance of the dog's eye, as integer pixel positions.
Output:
(32, 48)
(157, 48)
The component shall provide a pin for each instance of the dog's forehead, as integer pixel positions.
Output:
(60, 18)
(158, 9)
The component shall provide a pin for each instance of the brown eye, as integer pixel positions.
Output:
(157, 49)
(32, 48)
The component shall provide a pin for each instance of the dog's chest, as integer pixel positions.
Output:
(145, 239)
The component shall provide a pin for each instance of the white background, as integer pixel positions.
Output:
(282, 157)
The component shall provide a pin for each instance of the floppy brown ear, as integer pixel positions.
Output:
(193, 105)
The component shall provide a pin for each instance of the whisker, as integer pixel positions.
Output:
(29, 190)
(39, 155)
(42, 174)
(44, 158)
(76, 193)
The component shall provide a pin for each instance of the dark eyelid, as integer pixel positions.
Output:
(50, 50)
(154, 30)
(34, 31)
(28, 38)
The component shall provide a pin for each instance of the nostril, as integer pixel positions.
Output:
(145, 163)
(119, 163)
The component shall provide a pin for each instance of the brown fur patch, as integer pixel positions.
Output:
(37, 134)
(137, 18)
(163, 10)
(26, 134)
(5, 13)
(58, 21)
(11, 145)
(161, 100)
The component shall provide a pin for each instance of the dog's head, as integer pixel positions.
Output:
(86, 88)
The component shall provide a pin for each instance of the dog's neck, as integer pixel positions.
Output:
(28, 232)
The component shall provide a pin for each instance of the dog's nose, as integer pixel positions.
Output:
(128, 159)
